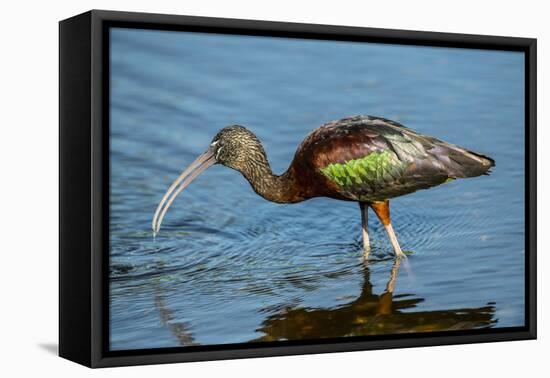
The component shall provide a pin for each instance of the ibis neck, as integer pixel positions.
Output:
(272, 187)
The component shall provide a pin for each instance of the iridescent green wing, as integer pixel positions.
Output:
(372, 158)
(364, 177)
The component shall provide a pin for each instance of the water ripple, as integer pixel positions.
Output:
(228, 266)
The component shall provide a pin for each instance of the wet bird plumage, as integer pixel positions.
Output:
(362, 158)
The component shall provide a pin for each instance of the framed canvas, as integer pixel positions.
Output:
(293, 249)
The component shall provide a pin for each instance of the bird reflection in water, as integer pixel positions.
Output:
(369, 314)
(180, 330)
(372, 314)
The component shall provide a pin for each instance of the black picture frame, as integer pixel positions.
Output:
(83, 180)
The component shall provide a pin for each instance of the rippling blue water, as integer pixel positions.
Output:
(230, 267)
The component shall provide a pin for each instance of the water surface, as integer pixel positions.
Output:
(230, 267)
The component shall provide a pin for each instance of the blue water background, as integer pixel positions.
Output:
(226, 260)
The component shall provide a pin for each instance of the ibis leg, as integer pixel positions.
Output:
(382, 210)
(365, 229)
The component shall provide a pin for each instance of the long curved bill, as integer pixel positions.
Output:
(185, 178)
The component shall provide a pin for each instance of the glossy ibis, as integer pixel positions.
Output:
(363, 158)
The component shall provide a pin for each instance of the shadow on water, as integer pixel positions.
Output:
(372, 314)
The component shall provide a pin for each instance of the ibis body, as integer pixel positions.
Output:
(365, 159)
